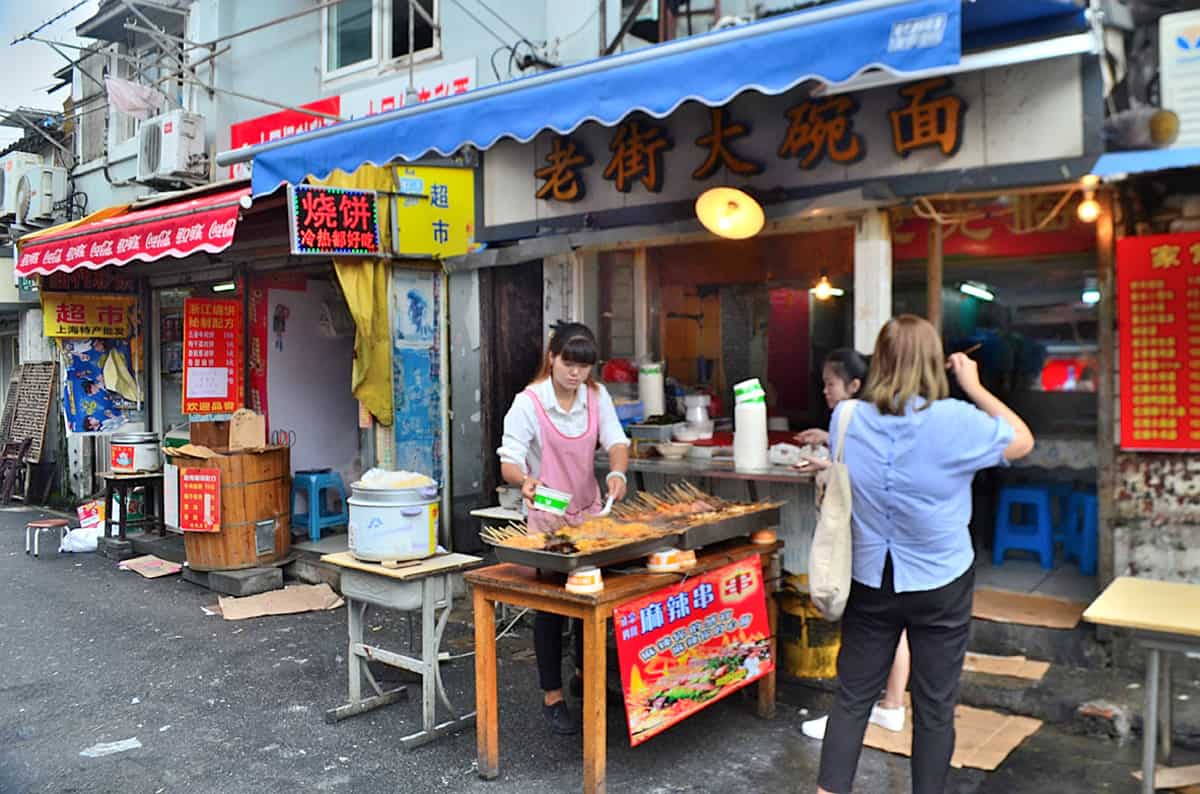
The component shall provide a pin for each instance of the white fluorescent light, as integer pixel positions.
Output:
(225, 286)
(977, 291)
(1090, 296)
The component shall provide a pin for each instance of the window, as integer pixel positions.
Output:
(360, 34)
(349, 34)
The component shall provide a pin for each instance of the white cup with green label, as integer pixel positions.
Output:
(551, 501)
(749, 391)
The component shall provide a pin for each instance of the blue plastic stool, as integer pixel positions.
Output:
(1036, 535)
(1061, 494)
(313, 485)
(1082, 529)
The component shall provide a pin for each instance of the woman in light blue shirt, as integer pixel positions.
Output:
(912, 453)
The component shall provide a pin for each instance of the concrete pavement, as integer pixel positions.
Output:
(93, 655)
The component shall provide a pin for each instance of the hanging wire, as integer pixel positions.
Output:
(503, 21)
(924, 208)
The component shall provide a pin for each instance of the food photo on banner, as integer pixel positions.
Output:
(689, 645)
(100, 392)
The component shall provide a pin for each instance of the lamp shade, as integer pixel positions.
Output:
(728, 212)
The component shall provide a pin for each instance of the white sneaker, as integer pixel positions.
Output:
(814, 729)
(889, 719)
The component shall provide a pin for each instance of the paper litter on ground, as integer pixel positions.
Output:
(1028, 610)
(108, 748)
(290, 600)
(983, 738)
(150, 566)
(1176, 777)
(1014, 666)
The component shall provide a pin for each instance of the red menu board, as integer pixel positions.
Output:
(691, 644)
(1158, 304)
(212, 356)
(200, 500)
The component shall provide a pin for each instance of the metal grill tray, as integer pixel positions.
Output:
(566, 563)
(737, 526)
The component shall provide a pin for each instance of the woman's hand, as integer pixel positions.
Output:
(617, 487)
(816, 464)
(966, 372)
(528, 486)
(814, 436)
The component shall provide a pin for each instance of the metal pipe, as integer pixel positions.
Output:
(262, 25)
(626, 26)
(597, 66)
(250, 98)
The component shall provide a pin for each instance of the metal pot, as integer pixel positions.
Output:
(394, 496)
(381, 528)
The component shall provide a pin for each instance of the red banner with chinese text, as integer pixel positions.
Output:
(1017, 229)
(212, 356)
(691, 644)
(1158, 306)
(200, 500)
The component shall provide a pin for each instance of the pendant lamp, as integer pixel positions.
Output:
(730, 213)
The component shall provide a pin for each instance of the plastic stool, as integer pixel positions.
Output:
(1036, 536)
(34, 530)
(1082, 528)
(1060, 499)
(314, 484)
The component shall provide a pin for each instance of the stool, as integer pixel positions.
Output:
(1036, 535)
(1082, 527)
(314, 484)
(34, 530)
(1060, 500)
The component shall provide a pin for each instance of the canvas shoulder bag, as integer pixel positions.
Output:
(829, 559)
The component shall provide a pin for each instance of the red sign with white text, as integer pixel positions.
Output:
(1158, 305)
(691, 644)
(212, 356)
(200, 500)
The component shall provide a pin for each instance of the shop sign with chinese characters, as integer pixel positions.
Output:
(973, 120)
(691, 644)
(435, 211)
(1158, 304)
(212, 356)
(330, 221)
(200, 500)
(78, 316)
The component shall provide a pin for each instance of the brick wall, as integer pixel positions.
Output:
(1157, 528)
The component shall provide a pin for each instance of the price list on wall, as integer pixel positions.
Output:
(1158, 304)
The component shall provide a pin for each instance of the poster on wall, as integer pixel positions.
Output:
(200, 500)
(414, 313)
(212, 356)
(687, 646)
(1158, 305)
(415, 300)
(100, 392)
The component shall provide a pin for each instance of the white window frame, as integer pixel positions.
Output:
(381, 44)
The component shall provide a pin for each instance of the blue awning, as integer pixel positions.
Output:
(1115, 164)
(831, 44)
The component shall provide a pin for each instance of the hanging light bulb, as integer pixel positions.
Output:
(1089, 209)
(824, 290)
(729, 213)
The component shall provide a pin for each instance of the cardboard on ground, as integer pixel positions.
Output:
(150, 566)
(288, 601)
(1014, 666)
(1174, 777)
(1029, 610)
(984, 738)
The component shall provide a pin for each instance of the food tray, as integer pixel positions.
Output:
(566, 563)
(653, 432)
(733, 527)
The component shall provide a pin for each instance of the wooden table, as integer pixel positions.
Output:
(523, 587)
(423, 585)
(124, 485)
(1162, 617)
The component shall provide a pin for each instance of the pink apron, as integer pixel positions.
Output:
(568, 464)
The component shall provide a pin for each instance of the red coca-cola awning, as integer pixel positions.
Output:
(176, 229)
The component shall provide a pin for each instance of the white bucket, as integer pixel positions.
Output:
(135, 452)
(382, 529)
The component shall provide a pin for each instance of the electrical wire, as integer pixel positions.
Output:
(503, 21)
(49, 22)
(481, 24)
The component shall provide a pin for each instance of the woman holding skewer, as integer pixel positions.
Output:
(551, 434)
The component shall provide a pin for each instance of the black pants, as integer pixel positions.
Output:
(938, 622)
(547, 644)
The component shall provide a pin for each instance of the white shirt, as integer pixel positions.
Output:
(522, 444)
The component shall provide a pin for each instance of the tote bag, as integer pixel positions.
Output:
(829, 559)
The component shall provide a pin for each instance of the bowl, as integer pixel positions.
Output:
(674, 450)
(687, 435)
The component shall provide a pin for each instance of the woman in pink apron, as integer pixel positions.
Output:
(551, 434)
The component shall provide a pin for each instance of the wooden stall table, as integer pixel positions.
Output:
(123, 485)
(521, 586)
(421, 585)
(1163, 618)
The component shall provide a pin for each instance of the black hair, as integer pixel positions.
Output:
(849, 365)
(574, 342)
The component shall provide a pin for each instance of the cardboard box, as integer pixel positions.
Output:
(245, 430)
(214, 435)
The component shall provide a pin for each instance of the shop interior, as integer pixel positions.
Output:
(772, 307)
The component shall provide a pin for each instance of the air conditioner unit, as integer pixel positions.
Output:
(1179, 72)
(171, 148)
(11, 167)
(38, 190)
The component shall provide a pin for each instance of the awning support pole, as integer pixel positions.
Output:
(933, 284)
(872, 278)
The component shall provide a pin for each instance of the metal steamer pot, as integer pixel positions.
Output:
(135, 452)
(393, 524)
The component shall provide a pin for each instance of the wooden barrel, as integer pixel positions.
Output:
(255, 511)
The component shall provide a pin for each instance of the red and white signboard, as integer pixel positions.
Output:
(212, 356)
(434, 82)
(178, 229)
(200, 500)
